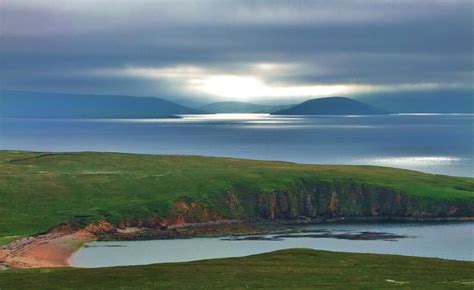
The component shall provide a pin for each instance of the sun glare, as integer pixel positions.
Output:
(229, 86)
(246, 87)
(253, 86)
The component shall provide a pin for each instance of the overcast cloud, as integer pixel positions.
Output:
(281, 51)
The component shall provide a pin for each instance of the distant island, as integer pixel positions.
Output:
(26, 104)
(446, 101)
(331, 106)
(241, 107)
(22, 104)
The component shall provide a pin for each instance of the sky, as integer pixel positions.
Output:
(256, 51)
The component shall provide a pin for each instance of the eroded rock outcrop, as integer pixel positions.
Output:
(308, 200)
(352, 199)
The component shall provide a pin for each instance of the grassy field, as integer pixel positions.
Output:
(39, 191)
(287, 269)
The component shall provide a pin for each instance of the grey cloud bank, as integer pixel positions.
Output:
(264, 51)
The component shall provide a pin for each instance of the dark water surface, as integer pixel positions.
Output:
(440, 143)
(445, 240)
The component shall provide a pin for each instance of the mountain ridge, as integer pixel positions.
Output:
(441, 101)
(24, 104)
(332, 106)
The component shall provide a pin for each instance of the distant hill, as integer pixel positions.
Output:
(240, 107)
(22, 104)
(331, 106)
(439, 101)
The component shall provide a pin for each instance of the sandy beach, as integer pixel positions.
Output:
(48, 250)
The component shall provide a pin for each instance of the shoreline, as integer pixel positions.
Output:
(43, 251)
(56, 247)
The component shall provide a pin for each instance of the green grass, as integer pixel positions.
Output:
(287, 269)
(39, 191)
(7, 239)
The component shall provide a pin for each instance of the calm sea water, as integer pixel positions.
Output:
(431, 143)
(447, 241)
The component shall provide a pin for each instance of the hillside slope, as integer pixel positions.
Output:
(331, 106)
(430, 101)
(39, 191)
(18, 104)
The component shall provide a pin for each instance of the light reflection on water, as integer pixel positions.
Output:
(414, 160)
(435, 143)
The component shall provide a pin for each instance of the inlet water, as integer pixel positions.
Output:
(445, 240)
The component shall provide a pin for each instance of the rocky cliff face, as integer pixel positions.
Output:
(317, 200)
(305, 201)
(327, 200)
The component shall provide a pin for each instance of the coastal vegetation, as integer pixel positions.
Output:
(39, 191)
(287, 269)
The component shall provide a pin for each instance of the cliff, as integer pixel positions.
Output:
(39, 191)
(311, 201)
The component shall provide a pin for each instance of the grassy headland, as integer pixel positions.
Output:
(287, 269)
(41, 190)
